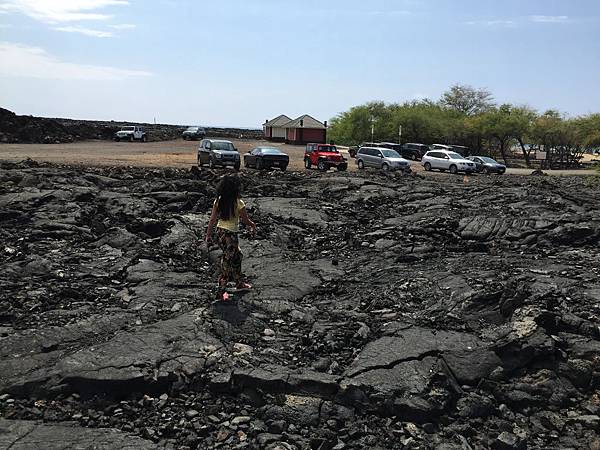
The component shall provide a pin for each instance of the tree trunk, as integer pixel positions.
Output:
(525, 152)
(503, 150)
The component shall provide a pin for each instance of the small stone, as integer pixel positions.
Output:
(268, 332)
(242, 349)
(222, 435)
(241, 436)
(321, 364)
(191, 413)
(4, 397)
(214, 419)
(507, 441)
(239, 420)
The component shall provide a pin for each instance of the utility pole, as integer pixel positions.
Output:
(372, 128)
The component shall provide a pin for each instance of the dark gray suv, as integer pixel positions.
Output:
(193, 133)
(218, 153)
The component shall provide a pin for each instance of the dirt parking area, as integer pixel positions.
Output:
(176, 154)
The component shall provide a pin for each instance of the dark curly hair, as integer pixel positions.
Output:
(228, 191)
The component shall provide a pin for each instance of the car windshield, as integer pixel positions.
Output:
(488, 160)
(390, 153)
(127, 128)
(227, 146)
(270, 151)
(453, 155)
(328, 148)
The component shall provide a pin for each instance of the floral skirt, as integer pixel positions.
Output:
(231, 261)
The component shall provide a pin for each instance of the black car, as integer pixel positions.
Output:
(193, 133)
(266, 158)
(413, 151)
(485, 164)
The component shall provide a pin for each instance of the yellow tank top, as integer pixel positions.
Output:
(233, 223)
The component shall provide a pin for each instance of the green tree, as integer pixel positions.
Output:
(507, 124)
(467, 99)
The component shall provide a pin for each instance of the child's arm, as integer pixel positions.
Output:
(211, 222)
(246, 220)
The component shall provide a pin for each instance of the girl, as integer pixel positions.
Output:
(228, 209)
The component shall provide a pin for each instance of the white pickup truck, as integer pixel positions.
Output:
(131, 134)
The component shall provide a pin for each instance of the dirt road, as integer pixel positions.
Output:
(179, 154)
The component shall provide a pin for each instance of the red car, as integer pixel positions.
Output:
(324, 156)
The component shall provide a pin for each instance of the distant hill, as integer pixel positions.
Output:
(30, 129)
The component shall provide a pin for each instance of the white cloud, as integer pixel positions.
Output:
(493, 23)
(18, 60)
(57, 11)
(85, 31)
(549, 19)
(123, 26)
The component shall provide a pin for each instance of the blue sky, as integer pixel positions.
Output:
(239, 62)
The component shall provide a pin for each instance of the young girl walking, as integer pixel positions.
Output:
(228, 209)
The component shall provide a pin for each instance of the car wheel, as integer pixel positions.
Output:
(184, 137)
(486, 171)
(144, 138)
(200, 162)
(427, 166)
(211, 163)
(131, 138)
(453, 169)
(385, 167)
(283, 168)
(321, 166)
(259, 164)
(361, 164)
(237, 167)
(307, 164)
(117, 139)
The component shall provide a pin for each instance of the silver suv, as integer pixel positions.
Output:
(381, 158)
(445, 160)
(217, 153)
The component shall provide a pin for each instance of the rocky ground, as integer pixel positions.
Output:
(42, 130)
(389, 311)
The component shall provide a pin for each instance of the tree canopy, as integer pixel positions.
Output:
(467, 116)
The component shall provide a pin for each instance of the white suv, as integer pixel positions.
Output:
(445, 160)
(131, 133)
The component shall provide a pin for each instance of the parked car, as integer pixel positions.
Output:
(441, 147)
(445, 160)
(381, 158)
(324, 156)
(461, 150)
(131, 133)
(218, 153)
(354, 150)
(266, 158)
(413, 151)
(487, 165)
(193, 133)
